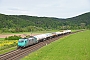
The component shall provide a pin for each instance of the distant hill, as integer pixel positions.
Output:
(81, 19)
(23, 21)
(9, 21)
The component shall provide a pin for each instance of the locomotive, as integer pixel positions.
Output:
(24, 42)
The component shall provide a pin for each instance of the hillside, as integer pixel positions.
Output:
(22, 21)
(81, 20)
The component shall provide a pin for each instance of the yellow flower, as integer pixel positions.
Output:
(36, 54)
(26, 56)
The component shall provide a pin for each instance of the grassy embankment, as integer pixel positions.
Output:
(72, 47)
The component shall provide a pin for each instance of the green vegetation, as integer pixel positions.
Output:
(6, 44)
(13, 37)
(32, 32)
(23, 23)
(2, 38)
(8, 50)
(72, 47)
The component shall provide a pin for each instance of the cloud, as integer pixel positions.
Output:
(17, 11)
(56, 8)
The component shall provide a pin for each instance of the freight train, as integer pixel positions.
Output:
(24, 42)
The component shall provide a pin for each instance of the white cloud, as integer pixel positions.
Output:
(52, 8)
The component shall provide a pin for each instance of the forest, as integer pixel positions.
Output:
(24, 23)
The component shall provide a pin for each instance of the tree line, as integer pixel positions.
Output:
(24, 23)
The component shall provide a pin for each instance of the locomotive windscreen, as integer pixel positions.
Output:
(21, 40)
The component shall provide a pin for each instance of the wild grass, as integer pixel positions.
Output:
(8, 50)
(7, 45)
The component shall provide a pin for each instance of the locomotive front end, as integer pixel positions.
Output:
(22, 43)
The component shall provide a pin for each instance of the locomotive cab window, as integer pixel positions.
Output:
(21, 41)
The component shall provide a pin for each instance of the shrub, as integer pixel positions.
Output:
(13, 37)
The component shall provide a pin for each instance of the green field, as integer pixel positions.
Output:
(35, 32)
(72, 47)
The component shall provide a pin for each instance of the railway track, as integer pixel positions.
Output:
(19, 53)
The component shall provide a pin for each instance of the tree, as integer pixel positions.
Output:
(83, 25)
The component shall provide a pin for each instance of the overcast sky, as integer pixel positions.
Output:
(47, 8)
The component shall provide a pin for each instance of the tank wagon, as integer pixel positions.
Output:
(40, 37)
(24, 42)
(59, 33)
(49, 35)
